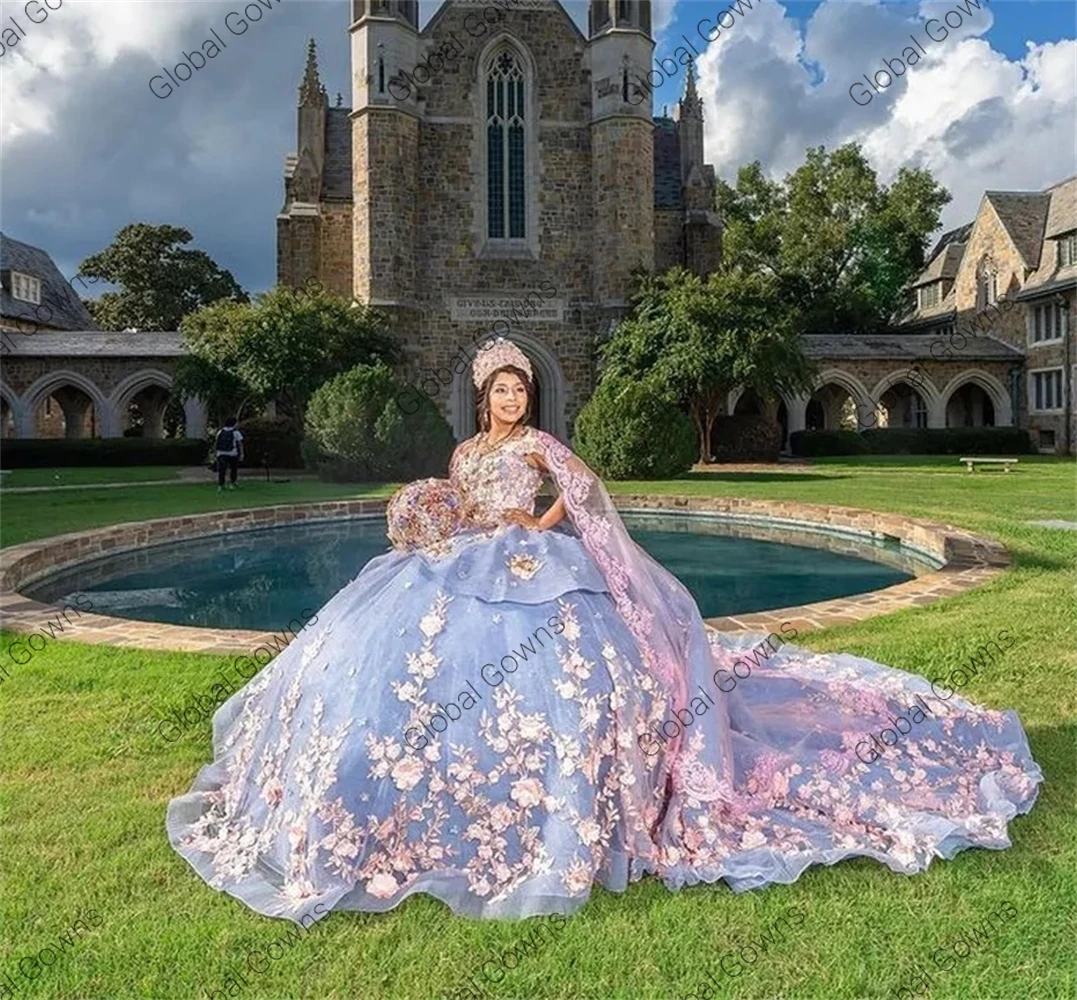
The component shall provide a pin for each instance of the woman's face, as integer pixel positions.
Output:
(508, 398)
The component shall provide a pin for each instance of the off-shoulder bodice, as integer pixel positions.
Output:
(500, 479)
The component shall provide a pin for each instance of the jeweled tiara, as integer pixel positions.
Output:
(502, 352)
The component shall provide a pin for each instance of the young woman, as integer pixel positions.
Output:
(506, 709)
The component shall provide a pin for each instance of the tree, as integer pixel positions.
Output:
(356, 430)
(841, 245)
(160, 281)
(693, 340)
(280, 348)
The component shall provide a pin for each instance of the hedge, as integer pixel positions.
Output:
(948, 440)
(913, 441)
(357, 430)
(626, 431)
(746, 438)
(275, 439)
(815, 444)
(48, 453)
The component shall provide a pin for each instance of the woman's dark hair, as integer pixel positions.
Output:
(482, 398)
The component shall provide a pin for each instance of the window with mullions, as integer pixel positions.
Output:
(505, 201)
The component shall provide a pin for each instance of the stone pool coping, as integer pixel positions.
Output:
(968, 561)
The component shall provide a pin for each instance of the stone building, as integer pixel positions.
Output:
(1009, 276)
(499, 170)
(497, 154)
(60, 376)
(498, 151)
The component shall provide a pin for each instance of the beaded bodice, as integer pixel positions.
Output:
(500, 479)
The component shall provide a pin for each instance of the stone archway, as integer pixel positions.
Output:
(551, 386)
(838, 401)
(12, 415)
(908, 404)
(973, 406)
(787, 413)
(81, 409)
(141, 400)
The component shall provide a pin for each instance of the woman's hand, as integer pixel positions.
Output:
(514, 515)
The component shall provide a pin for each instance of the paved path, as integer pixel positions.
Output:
(1061, 525)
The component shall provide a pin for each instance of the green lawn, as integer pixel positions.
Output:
(85, 781)
(76, 477)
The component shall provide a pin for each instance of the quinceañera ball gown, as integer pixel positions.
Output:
(502, 717)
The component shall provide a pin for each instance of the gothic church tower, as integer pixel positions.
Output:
(499, 171)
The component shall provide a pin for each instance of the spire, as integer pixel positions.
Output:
(311, 91)
(691, 103)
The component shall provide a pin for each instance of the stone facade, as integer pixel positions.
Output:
(596, 174)
(1010, 277)
(84, 384)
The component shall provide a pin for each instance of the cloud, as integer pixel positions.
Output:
(976, 118)
(87, 148)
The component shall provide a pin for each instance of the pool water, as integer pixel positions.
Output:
(261, 579)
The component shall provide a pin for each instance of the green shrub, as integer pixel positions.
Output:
(627, 431)
(272, 438)
(948, 440)
(357, 431)
(47, 453)
(815, 444)
(746, 438)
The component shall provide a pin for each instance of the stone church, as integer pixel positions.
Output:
(495, 152)
(499, 157)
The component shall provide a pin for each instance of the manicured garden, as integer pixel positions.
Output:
(86, 777)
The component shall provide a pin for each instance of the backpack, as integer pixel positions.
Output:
(226, 439)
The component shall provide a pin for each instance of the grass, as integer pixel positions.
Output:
(27, 516)
(86, 780)
(79, 476)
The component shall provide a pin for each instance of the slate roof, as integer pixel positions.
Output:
(68, 312)
(899, 346)
(667, 165)
(95, 343)
(1023, 214)
(959, 235)
(942, 265)
(1062, 215)
(337, 171)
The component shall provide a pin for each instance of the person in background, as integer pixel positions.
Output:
(229, 448)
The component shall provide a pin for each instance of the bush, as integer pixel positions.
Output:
(749, 438)
(357, 431)
(627, 431)
(815, 444)
(947, 440)
(47, 453)
(271, 438)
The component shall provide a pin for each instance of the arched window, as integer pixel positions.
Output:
(506, 201)
(986, 284)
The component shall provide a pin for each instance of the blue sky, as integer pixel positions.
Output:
(87, 148)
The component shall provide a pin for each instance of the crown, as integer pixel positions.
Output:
(496, 355)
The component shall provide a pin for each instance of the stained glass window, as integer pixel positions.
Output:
(505, 149)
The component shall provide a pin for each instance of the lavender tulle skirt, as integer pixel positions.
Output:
(477, 726)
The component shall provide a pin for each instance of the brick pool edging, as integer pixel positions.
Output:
(969, 561)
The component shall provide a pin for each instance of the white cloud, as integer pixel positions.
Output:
(87, 148)
(976, 118)
(77, 40)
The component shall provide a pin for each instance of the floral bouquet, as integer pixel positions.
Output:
(425, 515)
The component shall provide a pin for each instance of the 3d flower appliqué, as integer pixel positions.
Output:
(524, 566)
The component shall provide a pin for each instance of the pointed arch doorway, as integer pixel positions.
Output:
(550, 391)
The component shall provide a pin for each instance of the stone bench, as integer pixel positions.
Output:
(971, 463)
